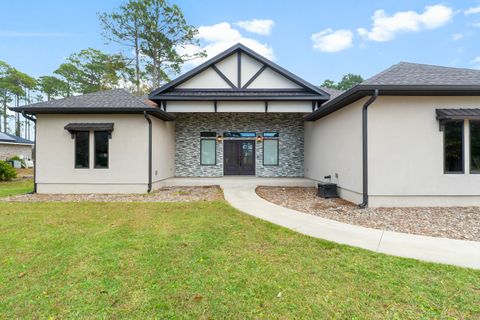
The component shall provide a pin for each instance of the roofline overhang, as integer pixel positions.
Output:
(18, 143)
(237, 98)
(361, 91)
(158, 113)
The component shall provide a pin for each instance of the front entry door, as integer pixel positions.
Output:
(239, 157)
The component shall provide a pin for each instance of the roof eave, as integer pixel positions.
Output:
(18, 143)
(158, 113)
(361, 91)
(237, 98)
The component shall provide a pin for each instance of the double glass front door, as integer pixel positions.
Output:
(239, 157)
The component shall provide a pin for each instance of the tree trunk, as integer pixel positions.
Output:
(17, 117)
(156, 74)
(2, 122)
(4, 111)
(137, 60)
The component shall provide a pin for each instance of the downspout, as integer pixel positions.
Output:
(34, 151)
(364, 204)
(149, 150)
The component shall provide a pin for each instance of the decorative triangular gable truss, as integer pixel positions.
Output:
(237, 74)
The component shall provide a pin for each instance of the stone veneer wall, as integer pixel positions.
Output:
(189, 125)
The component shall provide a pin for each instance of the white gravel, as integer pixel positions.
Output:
(448, 222)
(173, 194)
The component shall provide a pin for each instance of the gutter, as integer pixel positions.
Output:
(364, 204)
(145, 114)
(34, 120)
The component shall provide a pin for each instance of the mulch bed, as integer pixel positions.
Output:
(171, 194)
(448, 222)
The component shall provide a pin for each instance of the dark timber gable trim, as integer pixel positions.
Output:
(255, 76)
(239, 49)
(239, 69)
(224, 77)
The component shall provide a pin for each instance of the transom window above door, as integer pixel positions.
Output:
(239, 135)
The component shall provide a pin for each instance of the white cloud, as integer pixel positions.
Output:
(329, 40)
(476, 62)
(385, 27)
(263, 27)
(474, 10)
(218, 33)
(216, 38)
(457, 36)
(475, 24)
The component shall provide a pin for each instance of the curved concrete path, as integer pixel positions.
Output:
(455, 252)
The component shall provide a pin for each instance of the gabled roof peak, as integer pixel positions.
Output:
(239, 47)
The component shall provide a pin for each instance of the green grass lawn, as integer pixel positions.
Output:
(10, 188)
(205, 260)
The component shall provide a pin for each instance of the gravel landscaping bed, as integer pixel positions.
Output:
(170, 194)
(448, 222)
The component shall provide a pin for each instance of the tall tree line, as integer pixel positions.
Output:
(154, 34)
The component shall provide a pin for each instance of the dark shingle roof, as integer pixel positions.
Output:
(111, 101)
(5, 137)
(332, 92)
(117, 98)
(406, 73)
(407, 79)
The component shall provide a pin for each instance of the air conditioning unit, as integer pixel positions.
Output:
(327, 190)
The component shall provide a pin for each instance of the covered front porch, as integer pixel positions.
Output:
(245, 144)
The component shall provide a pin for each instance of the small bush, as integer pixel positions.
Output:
(17, 158)
(7, 173)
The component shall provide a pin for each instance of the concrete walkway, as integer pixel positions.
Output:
(455, 252)
(240, 193)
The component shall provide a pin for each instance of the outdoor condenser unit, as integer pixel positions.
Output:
(327, 189)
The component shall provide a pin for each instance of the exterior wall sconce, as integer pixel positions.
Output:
(219, 138)
(259, 139)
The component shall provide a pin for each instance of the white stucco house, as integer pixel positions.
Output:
(11, 145)
(409, 136)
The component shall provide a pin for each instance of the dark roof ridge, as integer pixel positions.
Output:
(381, 73)
(435, 65)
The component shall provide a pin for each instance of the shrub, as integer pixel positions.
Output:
(7, 173)
(17, 158)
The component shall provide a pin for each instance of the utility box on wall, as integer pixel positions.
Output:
(327, 190)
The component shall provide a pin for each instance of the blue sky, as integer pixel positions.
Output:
(313, 39)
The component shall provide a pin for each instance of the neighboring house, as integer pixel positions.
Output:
(11, 146)
(241, 114)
